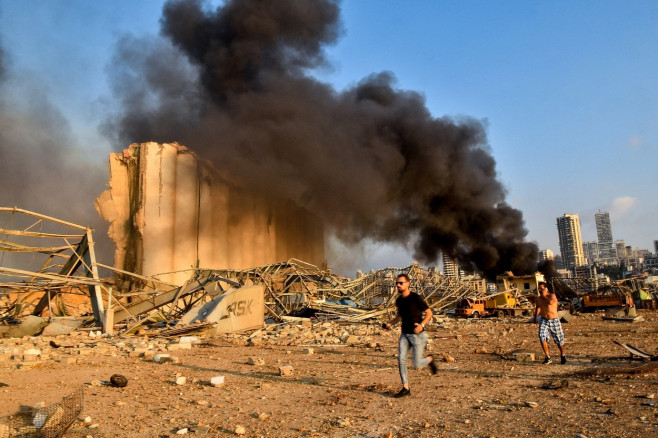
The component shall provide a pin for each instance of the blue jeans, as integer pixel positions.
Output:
(415, 342)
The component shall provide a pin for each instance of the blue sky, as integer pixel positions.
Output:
(568, 90)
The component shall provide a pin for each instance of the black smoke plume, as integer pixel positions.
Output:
(42, 167)
(235, 85)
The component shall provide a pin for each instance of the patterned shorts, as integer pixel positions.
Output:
(553, 327)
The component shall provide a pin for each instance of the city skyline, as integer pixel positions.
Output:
(605, 229)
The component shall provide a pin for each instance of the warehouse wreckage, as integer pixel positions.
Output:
(56, 295)
(68, 271)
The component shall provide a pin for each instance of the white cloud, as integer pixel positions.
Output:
(620, 206)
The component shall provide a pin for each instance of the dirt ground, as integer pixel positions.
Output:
(343, 380)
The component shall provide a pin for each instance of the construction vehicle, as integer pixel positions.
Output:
(597, 301)
(471, 307)
(506, 303)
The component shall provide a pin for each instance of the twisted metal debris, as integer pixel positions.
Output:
(296, 288)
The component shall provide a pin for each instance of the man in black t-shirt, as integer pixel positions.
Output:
(414, 314)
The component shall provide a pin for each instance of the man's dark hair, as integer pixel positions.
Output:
(403, 275)
(544, 284)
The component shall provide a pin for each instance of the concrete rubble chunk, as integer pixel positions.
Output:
(350, 340)
(344, 422)
(31, 354)
(217, 381)
(162, 358)
(565, 316)
(524, 356)
(285, 370)
(256, 361)
(447, 358)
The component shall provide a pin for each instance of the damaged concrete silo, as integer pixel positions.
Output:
(171, 211)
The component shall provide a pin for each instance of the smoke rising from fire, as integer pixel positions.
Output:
(234, 85)
(42, 167)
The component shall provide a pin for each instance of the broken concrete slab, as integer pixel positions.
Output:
(285, 370)
(61, 326)
(565, 316)
(217, 381)
(30, 326)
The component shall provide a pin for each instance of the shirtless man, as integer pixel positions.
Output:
(549, 322)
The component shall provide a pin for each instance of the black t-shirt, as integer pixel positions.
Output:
(410, 309)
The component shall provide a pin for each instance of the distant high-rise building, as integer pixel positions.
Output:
(655, 247)
(450, 266)
(591, 252)
(620, 245)
(607, 251)
(546, 254)
(571, 242)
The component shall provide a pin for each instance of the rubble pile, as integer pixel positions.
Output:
(66, 284)
(88, 345)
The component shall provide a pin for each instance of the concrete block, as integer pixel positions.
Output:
(162, 358)
(217, 381)
(255, 361)
(285, 370)
(524, 356)
(31, 354)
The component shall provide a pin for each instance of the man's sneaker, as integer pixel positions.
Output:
(432, 366)
(563, 360)
(547, 361)
(403, 393)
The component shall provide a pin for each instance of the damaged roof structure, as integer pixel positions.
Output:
(291, 288)
(62, 259)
